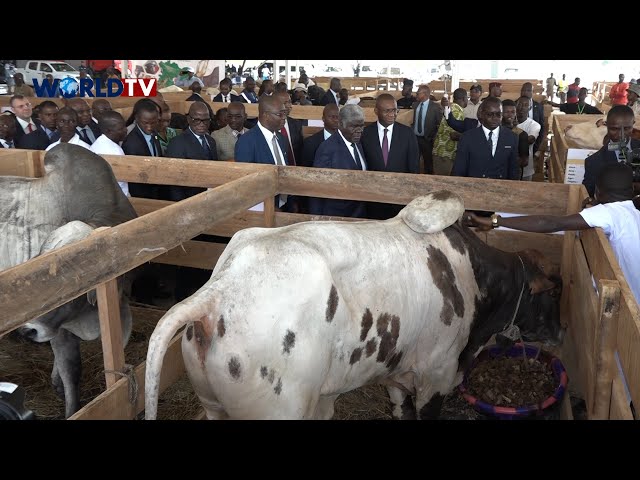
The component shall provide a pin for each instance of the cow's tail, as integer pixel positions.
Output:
(189, 310)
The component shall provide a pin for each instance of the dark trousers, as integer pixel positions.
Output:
(426, 150)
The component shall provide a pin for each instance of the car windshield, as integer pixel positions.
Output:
(63, 67)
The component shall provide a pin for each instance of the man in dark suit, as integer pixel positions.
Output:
(225, 94)
(490, 151)
(389, 147)
(620, 121)
(408, 98)
(88, 130)
(342, 150)
(196, 88)
(23, 110)
(331, 119)
(194, 143)
(333, 94)
(46, 133)
(536, 112)
(143, 141)
(291, 131)
(7, 130)
(426, 119)
(263, 143)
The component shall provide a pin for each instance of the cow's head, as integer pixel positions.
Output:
(539, 311)
(45, 327)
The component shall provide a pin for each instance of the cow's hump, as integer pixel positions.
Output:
(433, 212)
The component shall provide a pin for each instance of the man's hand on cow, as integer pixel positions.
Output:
(587, 201)
(472, 220)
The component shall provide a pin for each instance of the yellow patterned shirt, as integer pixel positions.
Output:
(443, 146)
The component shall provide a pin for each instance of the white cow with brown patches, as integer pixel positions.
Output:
(294, 316)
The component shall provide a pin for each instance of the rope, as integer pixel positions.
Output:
(129, 374)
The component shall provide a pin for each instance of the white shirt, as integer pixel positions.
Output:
(6, 145)
(25, 125)
(327, 133)
(268, 136)
(494, 137)
(532, 128)
(621, 224)
(350, 148)
(75, 140)
(105, 146)
(381, 133)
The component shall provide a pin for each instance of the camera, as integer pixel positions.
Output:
(12, 403)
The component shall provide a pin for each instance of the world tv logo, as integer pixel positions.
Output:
(86, 87)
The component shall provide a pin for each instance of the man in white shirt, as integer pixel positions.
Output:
(186, 78)
(66, 123)
(533, 130)
(471, 110)
(616, 213)
(114, 131)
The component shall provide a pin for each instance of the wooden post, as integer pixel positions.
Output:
(110, 329)
(269, 212)
(573, 206)
(605, 344)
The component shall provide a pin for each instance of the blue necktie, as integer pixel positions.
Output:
(152, 148)
(420, 119)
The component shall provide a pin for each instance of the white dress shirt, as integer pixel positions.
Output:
(494, 137)
(75, 140)
(350, 148)
(105, 146)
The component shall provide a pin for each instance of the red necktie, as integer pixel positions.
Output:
(385, 147)
(30, 128)
(291, 160)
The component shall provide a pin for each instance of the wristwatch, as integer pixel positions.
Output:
(494, 220)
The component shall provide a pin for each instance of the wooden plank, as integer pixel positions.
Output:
(269, 212)
(620, 409)
(583, 321)
(193, 254)
(605, 337)
(66, 273)
(510, 241)
(113, 403)
(110, 329)
(175, 171)
(566, 412)
(400, 188)
(225, 228)
(572, 205)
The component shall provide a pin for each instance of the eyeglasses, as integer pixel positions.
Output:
(493, 114)
(197, 121)
(279, 114)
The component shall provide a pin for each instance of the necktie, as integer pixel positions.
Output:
(276, 150)
(84, 136)
(420, 119)
(9, 143)
(357, 155)
(291, 160)
(224, 99)
(152, 147)
(30, 127)
(385, 147)
(491, 144)
(205, 147)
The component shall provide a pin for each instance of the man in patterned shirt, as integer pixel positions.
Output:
(446, 141)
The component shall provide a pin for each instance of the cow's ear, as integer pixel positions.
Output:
(539, 284)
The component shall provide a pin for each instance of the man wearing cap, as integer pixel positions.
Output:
(300, 95)
(407, 96)
(186, 78)
(633, 92)
(471, 110)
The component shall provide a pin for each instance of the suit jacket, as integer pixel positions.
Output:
(334, 153)
(431, 120)
(252, 147)
(36, 140)
(225, 143)
(20, 132)
(186, 145)
(404, 157)
(248, 94)
(538, 116)
(295, 131)
(594, 164)
(94, 128)
(473, 157)
(309, 147)
(327, 98)
(233, 98)
(135, 144)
